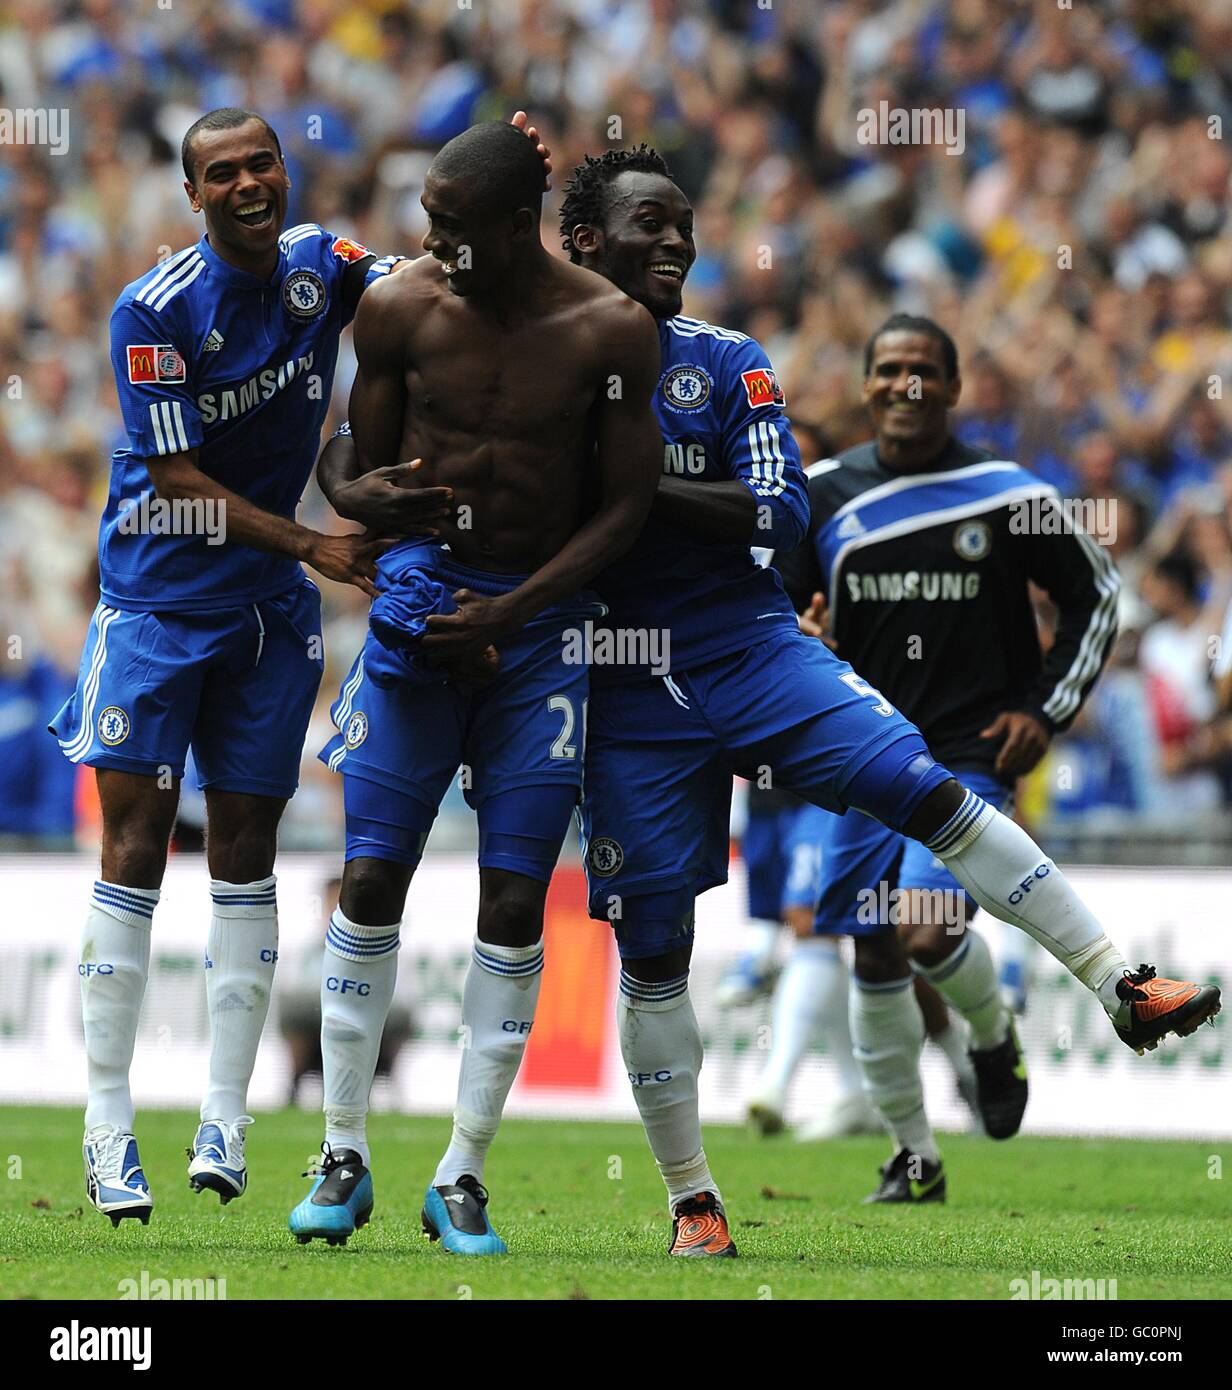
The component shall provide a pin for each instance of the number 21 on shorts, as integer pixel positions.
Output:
(561, 746)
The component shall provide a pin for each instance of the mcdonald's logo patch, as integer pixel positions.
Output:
(347, 250)
(154, 362)
(762, 388)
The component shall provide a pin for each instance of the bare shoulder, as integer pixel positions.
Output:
(407, 292)
(609, 311)
(395, 305)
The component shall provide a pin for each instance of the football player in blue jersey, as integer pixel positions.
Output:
(748, 690)
(208, 631)
(523, 384)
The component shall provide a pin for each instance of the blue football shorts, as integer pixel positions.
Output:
(235, 684)
(767, 860)
(865, 864)
(660, 756)
(518, 740)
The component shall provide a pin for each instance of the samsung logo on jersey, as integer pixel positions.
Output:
(684, 458)
(947, 586)
(228, 405)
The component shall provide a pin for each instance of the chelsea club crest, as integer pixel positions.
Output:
(687, 388)
(973, 540)
(604, 857)
(303, 294)
(113, 725)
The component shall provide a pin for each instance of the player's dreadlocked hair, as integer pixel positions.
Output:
(584, 193)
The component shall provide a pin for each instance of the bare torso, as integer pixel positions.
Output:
(502, 408)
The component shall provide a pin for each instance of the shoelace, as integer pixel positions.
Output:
(233, 1137)
(701, 1205)
(329, 1161)
(109, 1149)
(236, 1136)
(324, 1167)
(474, 1187)
(1138, 977)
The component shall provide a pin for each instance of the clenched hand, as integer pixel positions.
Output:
(1025, 742)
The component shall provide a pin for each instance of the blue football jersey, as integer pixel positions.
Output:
(207, 356)
(722, 417)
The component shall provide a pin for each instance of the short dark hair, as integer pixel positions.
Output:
(221, 118)
(585, 193)
(914, 323)
(498, 160)
(1179, 567)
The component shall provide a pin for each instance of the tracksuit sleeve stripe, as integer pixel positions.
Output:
(1069, 690)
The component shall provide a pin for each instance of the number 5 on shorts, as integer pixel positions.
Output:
(862, 687)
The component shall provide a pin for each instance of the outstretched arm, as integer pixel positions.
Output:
(348, 559)
(718, 511)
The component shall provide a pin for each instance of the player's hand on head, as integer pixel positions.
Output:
(477, 624)
(1024, 742)
(387, 501)
(349, 559)
(521, 119)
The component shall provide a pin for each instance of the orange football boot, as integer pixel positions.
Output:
(1153, 1007)
(699, 1227)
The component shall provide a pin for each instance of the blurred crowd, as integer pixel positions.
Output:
(1078, 248)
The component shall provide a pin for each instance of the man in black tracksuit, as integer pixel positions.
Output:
(921, 549)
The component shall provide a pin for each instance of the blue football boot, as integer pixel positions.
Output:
(217, 1155)
(457, 1217)
(1013, 983)
(340, 1201)
(750, 977)
(115, 1183)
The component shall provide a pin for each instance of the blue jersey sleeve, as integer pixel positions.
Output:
(153, 381)
(759, 448)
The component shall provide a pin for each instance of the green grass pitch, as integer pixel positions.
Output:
(582, 1209)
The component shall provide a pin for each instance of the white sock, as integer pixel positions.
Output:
(358, 973)
(763, 937)
(498, 1008)
(1008, 874)
(836, 1024)
(811, 996)
(114, 967)
(887, 1030)
(662, 1049)
(953, 1040)
(967, 981)
(240, 960)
